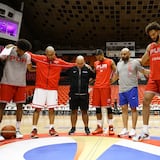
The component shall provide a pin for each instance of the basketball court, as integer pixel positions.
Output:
(78, 28)
(78, 146)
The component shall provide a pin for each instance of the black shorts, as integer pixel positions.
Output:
(81, 101)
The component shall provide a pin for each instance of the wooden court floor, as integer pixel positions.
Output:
(86, 147)
(62, 123)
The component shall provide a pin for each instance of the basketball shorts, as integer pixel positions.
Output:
(81, 101)
(15, 93)
(129, 97)
(101, 97)
(153, 86)
(45, 98)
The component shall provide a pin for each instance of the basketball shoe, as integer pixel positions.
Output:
(19, 135)
(111, 130)
(1, 138)
(53, 132)
(98, 130)
(72, 131)
(141, 137)
(34, 133)
(132, 133)
(123, 133)
(87, 130)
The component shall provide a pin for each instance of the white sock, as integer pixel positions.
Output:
(18, 123)
(99, 122)
(145, 128)
(110, 121)
(104, 116)
(34, 127)
(51, 126)
(0, 127)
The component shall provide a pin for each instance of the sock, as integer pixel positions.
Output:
(145, 128)
(0, 127)
(99, 122)
(34, 127)
(51, 126)
(110, 121)
(18, 125)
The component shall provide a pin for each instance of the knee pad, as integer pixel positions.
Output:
(109, 110)
(98, 110)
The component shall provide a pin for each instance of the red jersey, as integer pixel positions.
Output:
(48, 72)
(103, 73)
(154, 55)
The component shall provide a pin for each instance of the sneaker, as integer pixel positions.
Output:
(141, 137)
(132, 133)
(34, 133)
(123, 133)
(87, 130)
(72, 131)
(19, 135)
(111, 130)
(53, 132)
(98, 130)
(105, 132)
(2, 138)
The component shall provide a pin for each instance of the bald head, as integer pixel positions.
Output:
(80, 61)
(50, 53)
(125, 54)
(125, 50)
(50, 48)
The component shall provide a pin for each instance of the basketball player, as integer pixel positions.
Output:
(127, 71)
(48, 68)
(13, 82)
(79, 76)
(104, 68)
(152, 55)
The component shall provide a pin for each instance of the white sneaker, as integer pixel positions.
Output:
(132, 133)
(105, 131)
(141, 137)
(2, 138)
(19, 135)
(124, 132)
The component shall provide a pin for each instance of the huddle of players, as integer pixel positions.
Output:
(48, 69)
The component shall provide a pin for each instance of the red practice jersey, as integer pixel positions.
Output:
(48, 72)
(103, 73)
(154, 54)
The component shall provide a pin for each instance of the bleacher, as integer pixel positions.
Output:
(63, 106)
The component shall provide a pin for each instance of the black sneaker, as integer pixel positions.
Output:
(87, 130)
(73, 129)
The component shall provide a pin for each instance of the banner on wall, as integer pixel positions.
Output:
(114, 48)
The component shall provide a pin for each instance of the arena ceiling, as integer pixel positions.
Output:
(86, 24)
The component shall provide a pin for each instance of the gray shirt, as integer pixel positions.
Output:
(127, 73)
(15, 68)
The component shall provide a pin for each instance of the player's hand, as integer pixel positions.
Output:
(88, 66)
(146, 73)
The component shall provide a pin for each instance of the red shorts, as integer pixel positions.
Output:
(153, 86)
(101, 97)
(15, 93)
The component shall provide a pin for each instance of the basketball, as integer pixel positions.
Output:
(8, 132)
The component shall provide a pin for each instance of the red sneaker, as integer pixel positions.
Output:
(111, 130)
(34, 133)
(98, 130)
(53, 132)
